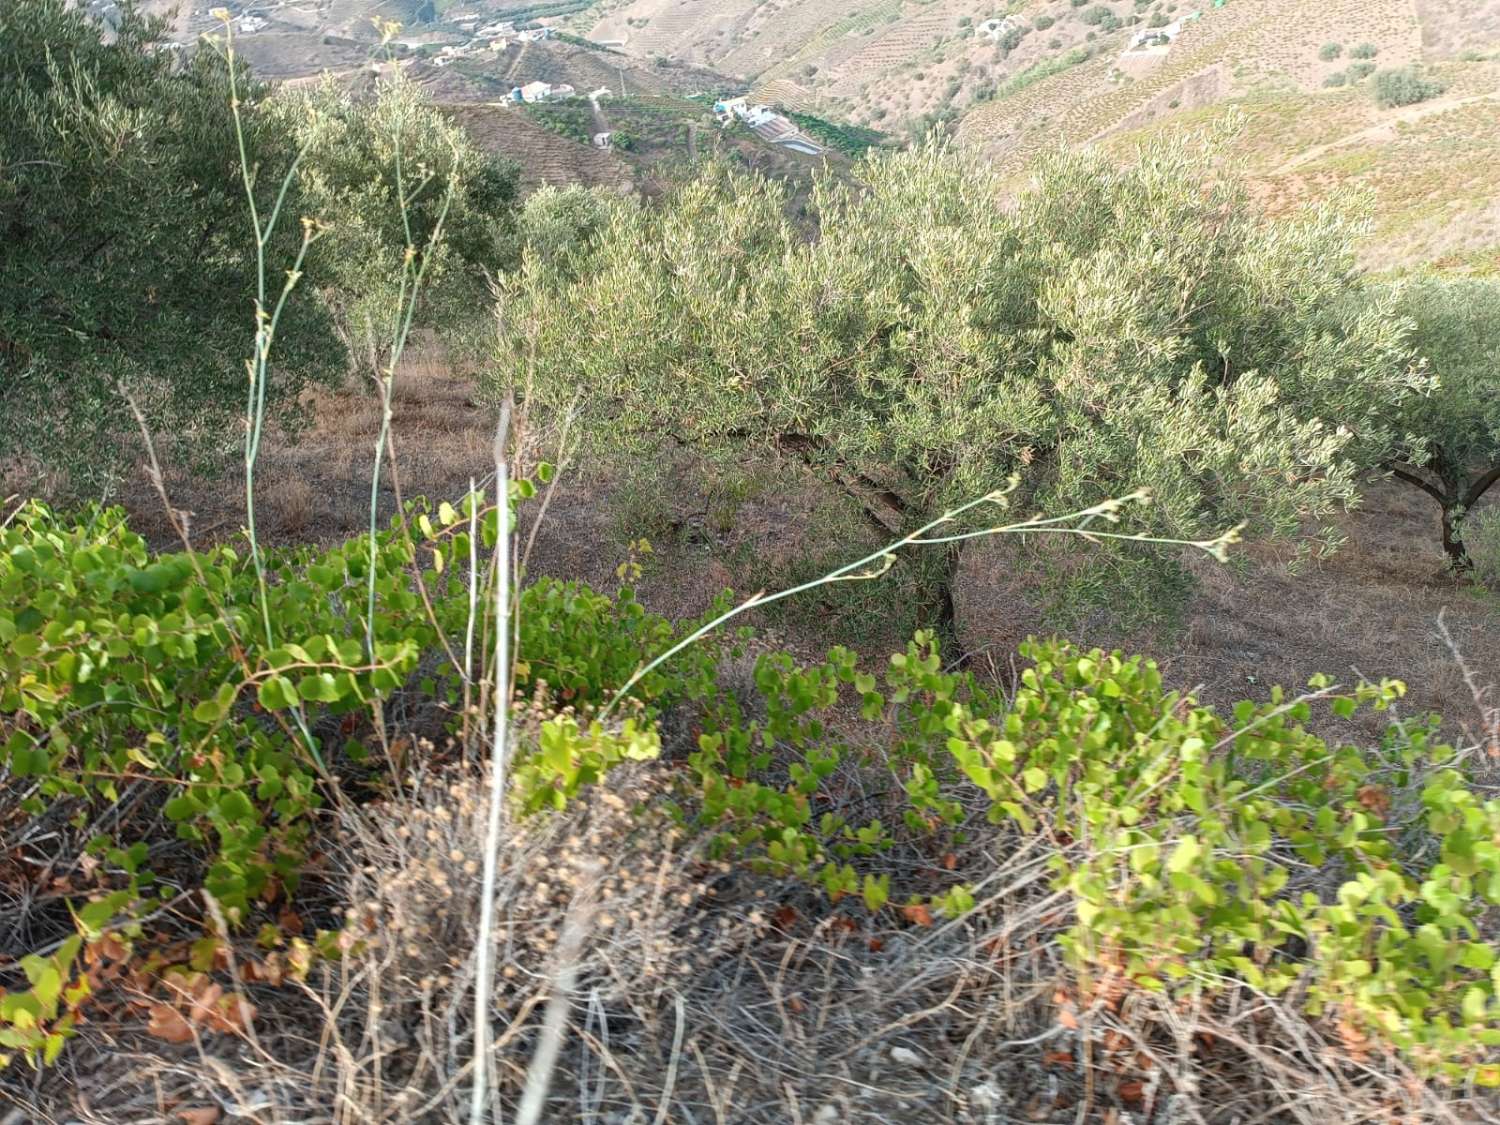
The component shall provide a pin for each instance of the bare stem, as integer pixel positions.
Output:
(484, 976)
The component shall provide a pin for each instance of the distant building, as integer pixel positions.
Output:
(1160, 36)
(535, 35)
(249, 24)
(602, 140)
(726, 111)
(541, 92)
(995, 28)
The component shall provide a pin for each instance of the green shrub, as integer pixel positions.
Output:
(1359, 71)
(1337, 78)
(1330, 51)
(1364, 51)
(1482, 537)
(1186, 838)
(1405, 86)
(1043, 22)
(1195, 848)
(177, 672)
(1098, 16)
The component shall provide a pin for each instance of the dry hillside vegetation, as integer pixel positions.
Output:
(1243, 45)
(1428, 168)
(1371, 610)
(544, 157)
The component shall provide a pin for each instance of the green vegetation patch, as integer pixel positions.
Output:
(1406, 85)
(853, 140)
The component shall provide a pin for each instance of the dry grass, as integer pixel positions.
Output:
(708, 995)
(1371, 610)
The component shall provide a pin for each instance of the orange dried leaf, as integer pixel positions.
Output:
(168, 1024)
(917, 914)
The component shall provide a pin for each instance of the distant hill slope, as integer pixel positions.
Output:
(545, 157)
(655, 139)
(1432, 170)
(489, 75)
(1066, 76)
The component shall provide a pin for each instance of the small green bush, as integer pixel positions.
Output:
(1189, 843)
(1330, 51)
(1359, 71)
(1044, 22)
(1337, 78)
(1097, 16)
(1405, 86)
(1482, 537)
(1364, 51)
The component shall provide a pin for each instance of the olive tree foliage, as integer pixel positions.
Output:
(381, 175)
(1454, 452)
(1111, 328)
(128, 258)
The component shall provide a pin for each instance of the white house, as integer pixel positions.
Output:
(1160, 36)
(541, 92)
(535, 35)
(727, 111)
(995, 28)
(602, 140)
(249, 24)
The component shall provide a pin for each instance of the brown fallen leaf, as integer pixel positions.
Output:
(1063, 1059)
(199, 1115)
(917, 914)
(167, 1023)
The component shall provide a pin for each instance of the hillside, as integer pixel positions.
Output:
(1298, 75)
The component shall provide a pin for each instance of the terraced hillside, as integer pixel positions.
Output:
(490, 76)
(1230, 51)
(1430, 169)
(545, 157)
(655, 138)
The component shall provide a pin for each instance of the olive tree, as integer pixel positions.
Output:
(1109, 329)
(383, 174)
(128, 259)
(1453, 451)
